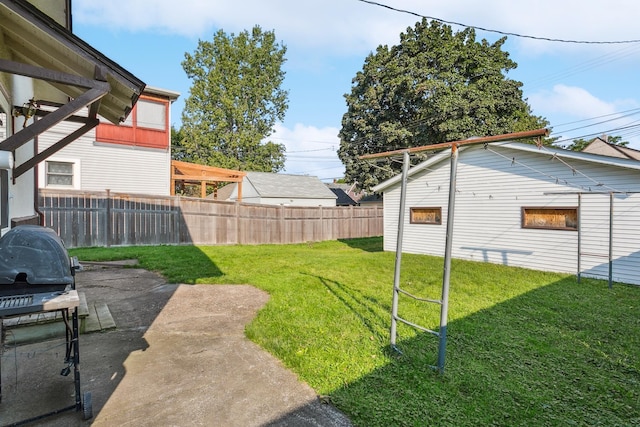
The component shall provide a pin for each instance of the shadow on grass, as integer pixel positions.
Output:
(178, 264)
(563, 354)
(371, 312)
(367, 244)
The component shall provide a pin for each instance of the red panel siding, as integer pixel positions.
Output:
(135, 135)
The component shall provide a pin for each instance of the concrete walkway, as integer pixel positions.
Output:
(177, 357)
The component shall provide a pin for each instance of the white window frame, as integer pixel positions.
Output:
(76, 176)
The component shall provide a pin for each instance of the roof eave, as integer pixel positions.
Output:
(35, 39)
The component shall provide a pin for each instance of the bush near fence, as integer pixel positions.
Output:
(87, 219)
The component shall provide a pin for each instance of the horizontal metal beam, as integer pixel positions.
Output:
(480, 140)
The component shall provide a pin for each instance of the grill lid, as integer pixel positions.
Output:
(34, 255)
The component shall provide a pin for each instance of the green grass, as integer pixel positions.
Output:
(525, 348)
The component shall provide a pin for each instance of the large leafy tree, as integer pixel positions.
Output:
(434, 86)
(234, 102)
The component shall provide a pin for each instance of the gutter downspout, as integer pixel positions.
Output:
(36, 191)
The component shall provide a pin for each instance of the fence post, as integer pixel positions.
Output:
(282, 225)
(108, 219)
(322, 236)
(350, 221)
(238, 237)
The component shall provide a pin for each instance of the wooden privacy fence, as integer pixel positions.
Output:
(86, 219)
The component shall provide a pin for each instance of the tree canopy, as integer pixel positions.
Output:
(234, 102)
(434, 86)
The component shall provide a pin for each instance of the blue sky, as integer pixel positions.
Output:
(582, 89)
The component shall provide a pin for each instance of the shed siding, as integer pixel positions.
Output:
(119, 168)
(492, 188)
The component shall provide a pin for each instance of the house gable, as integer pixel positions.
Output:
(602, 147)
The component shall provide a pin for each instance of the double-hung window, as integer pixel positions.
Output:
(59, 174)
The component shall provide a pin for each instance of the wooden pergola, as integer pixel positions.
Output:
(200, 174)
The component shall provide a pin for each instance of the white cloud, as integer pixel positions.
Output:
(570, 100)
(585, 115)
(310, 150)
(351, 26)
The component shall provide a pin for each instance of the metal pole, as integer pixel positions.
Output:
(579, 264)
(396, 275)
(447, 259)
(610, 240)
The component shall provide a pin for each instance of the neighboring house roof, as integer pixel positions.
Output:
(544, 151)
(349, 189)
(223, 193)
(274, 185)
(604, 148)
(343, 198)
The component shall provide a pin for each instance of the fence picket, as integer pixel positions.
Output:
(84, 219)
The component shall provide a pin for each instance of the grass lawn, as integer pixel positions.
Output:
(525, 348)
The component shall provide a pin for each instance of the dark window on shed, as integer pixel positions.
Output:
(550, 218)
(426, 216)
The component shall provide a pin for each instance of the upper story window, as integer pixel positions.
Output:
(146, 126)
(151, 115)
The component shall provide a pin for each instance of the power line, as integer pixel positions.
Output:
(505, 33)
(605, 121)
(583, 66)
(620, 131)
(557, 179)
(631, 111)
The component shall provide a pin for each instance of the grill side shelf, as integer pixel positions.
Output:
(22, 304)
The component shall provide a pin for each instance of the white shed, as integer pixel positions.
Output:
(521, 205)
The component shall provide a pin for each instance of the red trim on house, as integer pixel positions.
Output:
(135, 135)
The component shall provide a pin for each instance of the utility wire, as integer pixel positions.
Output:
(557, 179)
(631, 111)
(605, 121)
(505, 33)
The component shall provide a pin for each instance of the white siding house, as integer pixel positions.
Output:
(134, 157)
(520, 205)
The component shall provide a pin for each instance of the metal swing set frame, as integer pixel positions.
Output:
(441, 333)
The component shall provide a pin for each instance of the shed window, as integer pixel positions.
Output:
(550, 218)
(60, 173)
(426, 216)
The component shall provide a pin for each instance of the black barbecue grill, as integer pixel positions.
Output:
(33, 259)
(37, 274)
